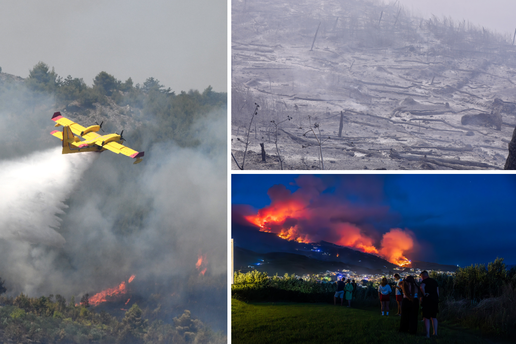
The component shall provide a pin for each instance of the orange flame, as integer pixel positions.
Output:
(201, 262)
(273, 219)
(101, 297)
(394, 243)
(129, 299)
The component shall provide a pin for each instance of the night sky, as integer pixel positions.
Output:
(454, 218)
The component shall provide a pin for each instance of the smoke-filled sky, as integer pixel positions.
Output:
(180, 43)
(452, 219)
(497, 15)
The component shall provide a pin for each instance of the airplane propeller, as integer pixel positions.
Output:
(121, 136)
(100, 125)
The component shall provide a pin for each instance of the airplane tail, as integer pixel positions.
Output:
(68, 138)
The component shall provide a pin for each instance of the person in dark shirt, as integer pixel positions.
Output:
(409, 305)
(339, 292)
(429, 302)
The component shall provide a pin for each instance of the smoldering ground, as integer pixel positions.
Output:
(105, 220)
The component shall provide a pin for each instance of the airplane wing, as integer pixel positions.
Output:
(57, 134)
(77, 129)
(121, 149)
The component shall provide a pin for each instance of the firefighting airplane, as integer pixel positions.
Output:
(93, 142)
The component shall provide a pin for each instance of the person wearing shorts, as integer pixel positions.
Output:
(384, 290)
(399, 294)
(339, 292)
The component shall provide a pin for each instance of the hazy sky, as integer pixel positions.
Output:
(498, 15)
(180, 43)
(456, 219)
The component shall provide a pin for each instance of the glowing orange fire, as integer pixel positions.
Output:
(111, 292)
(273, 219)
(201, 262)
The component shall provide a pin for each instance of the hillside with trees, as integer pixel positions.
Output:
(113, 222)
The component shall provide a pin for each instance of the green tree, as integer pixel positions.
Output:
(132, 326)
(186, 326)
(71, 88)
(90, 96)
(496, 276)
(106, 83)
(127, 85)
(153, 85)
(42, 79)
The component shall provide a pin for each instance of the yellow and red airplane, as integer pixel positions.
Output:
(92, 142)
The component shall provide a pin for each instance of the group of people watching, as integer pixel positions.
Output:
(409, 297)
(345, 290)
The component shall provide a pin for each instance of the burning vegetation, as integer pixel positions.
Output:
(115, 292)
(201, 264)
(308, 216)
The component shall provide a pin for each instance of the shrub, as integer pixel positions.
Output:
(17, 313)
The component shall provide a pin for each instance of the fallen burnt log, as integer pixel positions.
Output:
(492, 120)
(449, 163)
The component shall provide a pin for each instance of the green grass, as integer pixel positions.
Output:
(323, 323)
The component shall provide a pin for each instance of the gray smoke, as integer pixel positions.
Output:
(80, 223)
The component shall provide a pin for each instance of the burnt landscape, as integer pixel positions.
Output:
(365, 85)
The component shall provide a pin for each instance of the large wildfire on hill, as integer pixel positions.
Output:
(309, 215)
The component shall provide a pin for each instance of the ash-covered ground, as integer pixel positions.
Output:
(410, 93)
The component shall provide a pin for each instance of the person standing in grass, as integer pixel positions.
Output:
(399, 295)
(409, 306)
(384, 290)
(349, 292)
(430, 302)
(339, 292)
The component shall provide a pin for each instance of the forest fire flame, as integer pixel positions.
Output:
(284, 219)
(199, 265)
(101, 297)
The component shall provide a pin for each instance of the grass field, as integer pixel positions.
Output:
(323, 323)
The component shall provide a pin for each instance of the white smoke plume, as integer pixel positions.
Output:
(34, 189)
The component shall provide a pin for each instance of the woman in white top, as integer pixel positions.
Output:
(383, 294)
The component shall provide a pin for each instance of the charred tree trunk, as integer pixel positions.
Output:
(341, 123)
(315, 36)
(263, 152)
